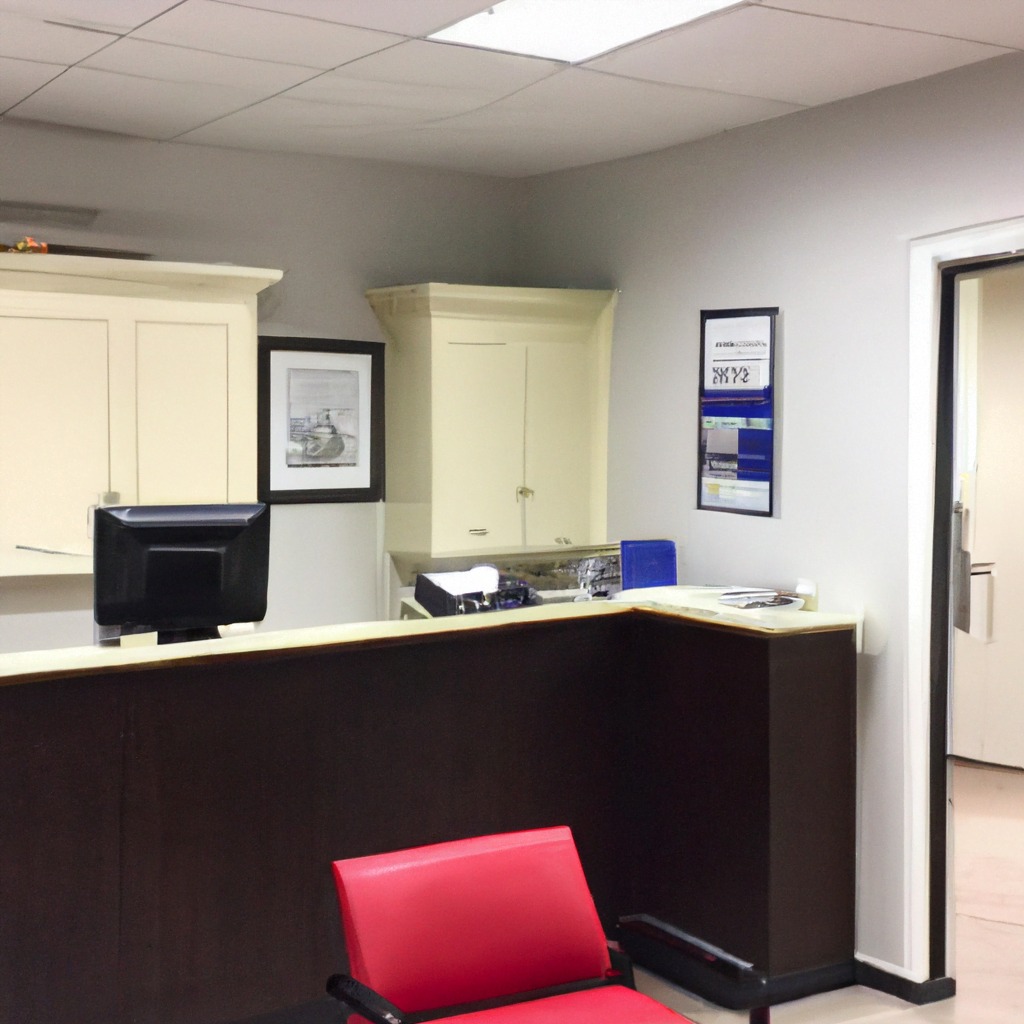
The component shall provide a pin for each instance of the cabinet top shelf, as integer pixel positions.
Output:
(103, 275)
(486, 302)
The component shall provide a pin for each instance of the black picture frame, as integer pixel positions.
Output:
(772, 313)
(270, 447)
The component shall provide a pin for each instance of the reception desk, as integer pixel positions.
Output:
(168, 815)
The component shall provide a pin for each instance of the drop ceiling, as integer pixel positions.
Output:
(358, 78)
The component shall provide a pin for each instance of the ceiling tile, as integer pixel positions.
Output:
(84, 98)
(427, 63)
(111, 15)
(420, 103)
(31, 39)
(408, 17)
(18, 78)
(427, 76)
(180, 64)
(571, 119)
(263, 35)
(283, 123)
(791, 57)
(986, 21)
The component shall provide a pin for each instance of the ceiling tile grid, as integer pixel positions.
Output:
(34, 39)
(413, 18)
(357, 78)
(578, 116)
(1000, 22)
(145, 107)
(169, 63)
(116, 16)
(297, 126)
(757, 51)
(428, 77)
(263, 35)
(21, 78)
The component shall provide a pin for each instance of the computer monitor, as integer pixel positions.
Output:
(180, 570)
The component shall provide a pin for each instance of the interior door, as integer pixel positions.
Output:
(557, 458)
(478, 398)
(988, 666)
(54, 461)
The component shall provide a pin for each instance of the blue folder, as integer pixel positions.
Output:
(648, 563)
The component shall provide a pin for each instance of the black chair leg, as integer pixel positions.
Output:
(760, 1015)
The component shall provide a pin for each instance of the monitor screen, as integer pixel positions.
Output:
(181, 570)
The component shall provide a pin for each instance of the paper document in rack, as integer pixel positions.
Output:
(736, 404)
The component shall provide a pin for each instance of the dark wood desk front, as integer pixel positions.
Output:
(166, 830)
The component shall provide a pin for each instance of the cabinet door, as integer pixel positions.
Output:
(182, 402)
(477, 411)
(557, 444)
(53, 432)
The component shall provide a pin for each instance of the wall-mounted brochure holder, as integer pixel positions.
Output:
(737, 410)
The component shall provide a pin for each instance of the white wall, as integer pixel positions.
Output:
(336, 227)
(813, 213)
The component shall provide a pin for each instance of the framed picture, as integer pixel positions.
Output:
(321, 420)
(737, 411)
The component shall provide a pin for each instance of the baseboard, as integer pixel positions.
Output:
(735, 990)
(919, 992)
(674, 956)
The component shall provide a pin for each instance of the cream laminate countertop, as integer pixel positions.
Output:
(693, 603)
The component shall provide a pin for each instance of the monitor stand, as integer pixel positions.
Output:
(179, 636)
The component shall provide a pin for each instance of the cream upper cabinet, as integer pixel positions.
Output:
(54, 450)
(120, 382)
(497, 416)
(479, 415)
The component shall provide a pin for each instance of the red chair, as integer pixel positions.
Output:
(495, 930)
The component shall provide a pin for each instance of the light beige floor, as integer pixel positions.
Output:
(988, 822)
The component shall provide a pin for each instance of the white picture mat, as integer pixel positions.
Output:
(320, 478)
(743, 495)
(737, 341)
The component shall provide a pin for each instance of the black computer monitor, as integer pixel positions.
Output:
(181, 570)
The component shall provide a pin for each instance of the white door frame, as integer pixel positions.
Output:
(925, 256)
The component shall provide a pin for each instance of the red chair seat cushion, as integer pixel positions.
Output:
(614, 1004)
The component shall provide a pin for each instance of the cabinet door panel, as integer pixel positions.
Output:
(182, 401)
(53, 430)
(477, 412)
(557, 444)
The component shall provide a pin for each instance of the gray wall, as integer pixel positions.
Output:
(336, 227)
(812, 213)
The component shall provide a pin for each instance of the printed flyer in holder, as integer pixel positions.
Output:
(737, 416)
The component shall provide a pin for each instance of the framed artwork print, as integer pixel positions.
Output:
(321, 420)
(737, 410)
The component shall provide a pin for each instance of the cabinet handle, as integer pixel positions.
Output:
(524, 492)
(479, 533)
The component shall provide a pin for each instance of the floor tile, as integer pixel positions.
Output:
(988, 809)
(856, 1003)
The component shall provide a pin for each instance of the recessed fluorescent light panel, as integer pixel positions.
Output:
(574, 30)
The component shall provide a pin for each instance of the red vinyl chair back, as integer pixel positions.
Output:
(470, 920)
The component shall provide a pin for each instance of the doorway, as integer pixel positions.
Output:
(987, 698)
(966, 368)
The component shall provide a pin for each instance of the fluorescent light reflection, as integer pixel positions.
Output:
(574, 30)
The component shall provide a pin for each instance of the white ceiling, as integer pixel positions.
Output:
(358, 78)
